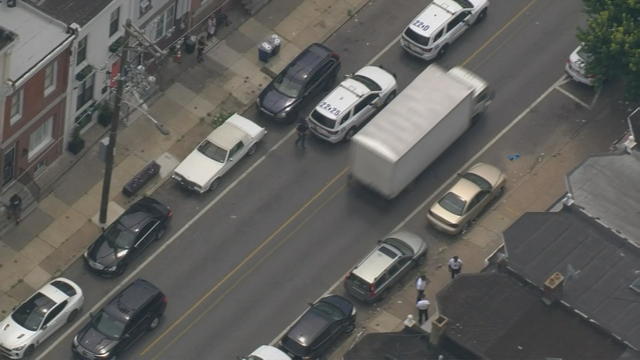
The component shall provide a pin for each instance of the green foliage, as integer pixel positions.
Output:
(220, 117)
(612, 37)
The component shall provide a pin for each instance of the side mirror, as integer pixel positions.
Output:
(230, 159)
(44, 326)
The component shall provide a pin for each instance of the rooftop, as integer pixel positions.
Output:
(606, 187)
(497, 317)
(36, 38)
(70, 11)
(599, 267)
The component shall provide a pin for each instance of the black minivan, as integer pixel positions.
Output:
(315, 68)
(124, 319)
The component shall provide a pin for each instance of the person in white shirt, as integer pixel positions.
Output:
(455, 266)
(423, 309)
(421, 284)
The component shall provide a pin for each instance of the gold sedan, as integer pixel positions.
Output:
(455, 210)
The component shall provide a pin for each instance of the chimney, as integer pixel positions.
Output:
(438, 327)
(552, 291)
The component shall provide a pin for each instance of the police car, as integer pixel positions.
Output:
(347, 108)
(439, 25)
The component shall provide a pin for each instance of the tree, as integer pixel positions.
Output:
(612, 38)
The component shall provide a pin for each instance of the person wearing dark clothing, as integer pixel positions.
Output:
(15, 208)
(201, 46)
(302, 129)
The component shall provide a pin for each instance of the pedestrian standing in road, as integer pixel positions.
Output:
(423, 309)
(302, 129)
(421, 284)
(14, 208)
(201, 46)
(455, 266)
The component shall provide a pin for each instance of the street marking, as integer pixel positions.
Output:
(251, 255)
(135, 272)
(247, 273)
(478, 154)
(572, 97)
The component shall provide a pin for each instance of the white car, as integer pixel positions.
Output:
(439, 25)
(266, 352)
(347, 108)
(225, 146)
(31, 323)
(576, 67)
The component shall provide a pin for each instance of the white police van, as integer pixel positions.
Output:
(440, 24)
(347, 108)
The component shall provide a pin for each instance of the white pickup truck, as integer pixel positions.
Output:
(214, 156)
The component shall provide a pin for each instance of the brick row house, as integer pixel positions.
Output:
(34, 63)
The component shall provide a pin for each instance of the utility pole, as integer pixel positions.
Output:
(113, 132)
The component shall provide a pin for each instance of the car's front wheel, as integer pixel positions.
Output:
(29, 352)
(214, 184)
(154, 323)
(350, 328)
(252, 150)
(350, 133)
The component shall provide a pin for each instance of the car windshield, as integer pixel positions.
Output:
(289, 84)
(30, 314)
(119, 237)
(107, 325)
(327, 311)
(452, 203)
(323, 120)
(481, 182)
(213, 151)
(464, 3)
(370, 84)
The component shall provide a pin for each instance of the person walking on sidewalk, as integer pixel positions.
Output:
(423, 309)
(302, 129)
(201, 47)
(14, 208)
(455, 266)
(421, 284)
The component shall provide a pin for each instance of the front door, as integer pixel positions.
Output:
(9, 164)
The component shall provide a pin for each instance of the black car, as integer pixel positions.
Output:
(133, 312)
(314, 69)
(145, 221)
(319, 327)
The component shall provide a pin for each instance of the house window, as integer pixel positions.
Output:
(82, 51)
(85, 91)
(40, 138)
(16, 107)
(145, 6)
(163, 24)
(114, 23)
(50, 73)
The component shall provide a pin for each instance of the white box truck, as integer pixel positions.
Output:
(416, 127)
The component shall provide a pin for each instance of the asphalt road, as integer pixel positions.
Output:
(268, 241)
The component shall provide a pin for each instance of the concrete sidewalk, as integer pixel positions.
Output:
(56, 232)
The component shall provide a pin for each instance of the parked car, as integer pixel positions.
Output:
(202, 170)
(352, 103)
(319, 327)
(385, 265)
(431, 33)
(123, 320)
(266, 352)
(576, 67)
(314, 69)
(144, 222)
(32, 322)
(464, 201)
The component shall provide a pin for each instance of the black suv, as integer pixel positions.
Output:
(314, 69)
(129, 315)
(319, 327)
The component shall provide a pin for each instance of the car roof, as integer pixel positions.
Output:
(129, 300)
(465, 189)
(371, 267)
(435, 15)
(226, 136)
(308, 327)
(53, 292)
(307, 61)
(342, 98)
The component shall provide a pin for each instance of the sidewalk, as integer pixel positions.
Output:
(58, 230)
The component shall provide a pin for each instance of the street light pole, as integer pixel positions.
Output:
(113, 132)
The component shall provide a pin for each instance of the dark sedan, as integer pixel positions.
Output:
(314, 69)
(319, 327)
(145, 221)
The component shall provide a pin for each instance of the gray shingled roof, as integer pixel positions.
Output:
(71, 11)
(606, 187)
(599, 266)
(499, 318)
